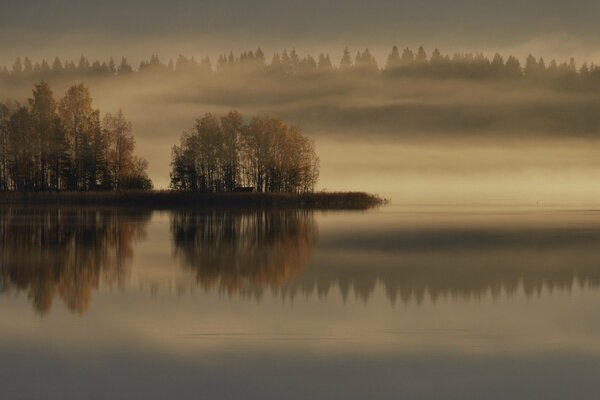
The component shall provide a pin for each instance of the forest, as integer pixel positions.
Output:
(227, 155)
(399, 63)
(65, 144)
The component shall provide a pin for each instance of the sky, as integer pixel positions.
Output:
(138, 28)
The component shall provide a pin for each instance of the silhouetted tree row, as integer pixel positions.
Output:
(225, 154)
(398, 63)
(64, 144)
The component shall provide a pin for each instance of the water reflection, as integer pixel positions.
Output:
(66, 252)
(224, 344)
(244, 251)
(439, 262)
(69, 253)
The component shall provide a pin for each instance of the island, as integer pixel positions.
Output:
(65, 152)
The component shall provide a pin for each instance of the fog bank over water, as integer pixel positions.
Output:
(554, 174)
(416, 140)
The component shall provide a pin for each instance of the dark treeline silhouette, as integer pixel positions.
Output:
(237, 251)
(225, 154)
(66, 252)
(65, 144)
(406, 62)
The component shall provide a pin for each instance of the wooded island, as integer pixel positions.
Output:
(65, 152)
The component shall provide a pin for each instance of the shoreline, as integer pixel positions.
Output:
(169, 199)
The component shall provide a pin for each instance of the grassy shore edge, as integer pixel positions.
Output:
(169, 199)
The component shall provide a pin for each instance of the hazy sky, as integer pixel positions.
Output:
(139, 27)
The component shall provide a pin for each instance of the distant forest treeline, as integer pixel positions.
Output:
(399, 63)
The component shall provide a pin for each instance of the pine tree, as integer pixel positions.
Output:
(393, 60)
(17, 68)
(346, 61)
(57, 66)
(124, 67)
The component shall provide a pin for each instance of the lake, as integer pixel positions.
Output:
(396, 302)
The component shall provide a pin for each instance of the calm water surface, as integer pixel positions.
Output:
(393, 303)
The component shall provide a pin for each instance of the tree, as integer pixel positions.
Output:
(183, 173)
(119, 133)
(365, 62)
(5, 115)
(324, 63)
(408, 57)
(231, 126)
(137, 178)
(21, 162)
(222, 154)
(59, 162)
(497, 66)
(57, 66)
(27, 66)
(43, 113)
(83, 66)
(513, 67)
(393, 60)
(209, 150)
(206, 65)
(346, 61)
(259, 58)
(124, 67)
(78, 119)
(436, 56)
(48, 147)
(97, 162)
(421, 56)
(112, 69)
(531, 66)
(17, 68)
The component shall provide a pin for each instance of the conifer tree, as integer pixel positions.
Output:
(346, 61)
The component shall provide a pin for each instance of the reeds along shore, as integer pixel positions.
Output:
(167, 199)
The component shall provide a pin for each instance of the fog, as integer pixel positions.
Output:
(414, 139)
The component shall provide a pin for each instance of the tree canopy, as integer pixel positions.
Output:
(226, 154)
(66, 145)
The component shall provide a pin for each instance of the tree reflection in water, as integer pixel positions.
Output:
(66, 252)
(244, 251)
(69, 252)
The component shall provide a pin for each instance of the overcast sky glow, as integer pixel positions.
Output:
(137, 28)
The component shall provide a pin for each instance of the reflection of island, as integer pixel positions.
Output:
(65, 252)
(69, 252)
(244, 250)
